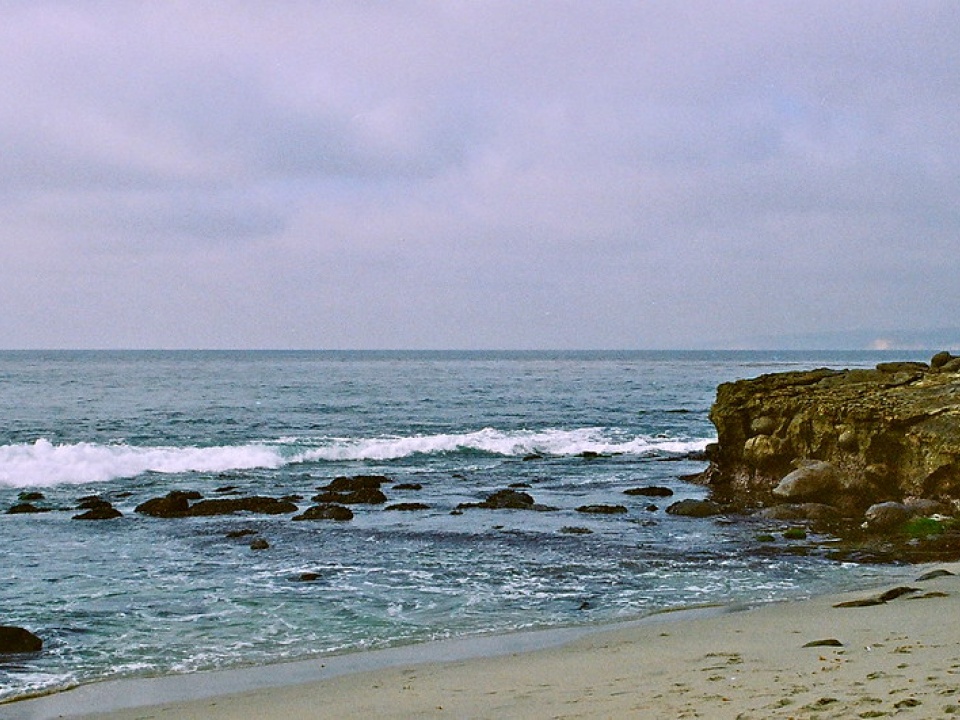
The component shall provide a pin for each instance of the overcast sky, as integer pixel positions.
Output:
(487, 174)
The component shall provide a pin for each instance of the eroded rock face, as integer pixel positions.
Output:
(848, 438)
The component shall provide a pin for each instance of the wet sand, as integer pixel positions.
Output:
(897, 654)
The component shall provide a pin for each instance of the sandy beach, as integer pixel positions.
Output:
(889, 651)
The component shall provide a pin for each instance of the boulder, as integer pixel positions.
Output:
(18, 640)
(357, 482)
(407, 507)
(101, 512)
(91, 502)
(814, 480)
(940, 359)
(695, 508)
(252, 504)
(887, 516)
(360, 496)
(650, 491)
(25, 507)
(174, 504)
(508, 499)
(177, 504)
(326, 512)
(602, 509)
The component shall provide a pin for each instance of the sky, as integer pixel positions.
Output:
(493, 174)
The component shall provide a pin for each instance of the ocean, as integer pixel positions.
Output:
(143, 596)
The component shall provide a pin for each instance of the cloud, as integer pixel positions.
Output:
(478, 174)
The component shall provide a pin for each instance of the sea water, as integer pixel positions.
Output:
(143, 596)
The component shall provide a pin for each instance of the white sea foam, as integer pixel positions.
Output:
(489, 440)
(42, 463)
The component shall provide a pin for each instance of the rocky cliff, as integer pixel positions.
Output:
(877, 446)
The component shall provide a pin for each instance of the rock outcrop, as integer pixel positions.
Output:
(849, 439)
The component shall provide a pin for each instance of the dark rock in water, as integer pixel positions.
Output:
(406, 507)
(253, 504)
(175, 503)
(30, 495)
(695, 508)
(650, 491)
(243, 532)
(355, 483)
(602, 509)
(360, 496)
(92, 502)
(519, 485)
(408, 486)
(18, 640)
(828, 642)
(532, 456)
(508, 499)
(308, 577)
(590, 455)
(575, 530)
(326, 512)
(259, 543)
(225, 490)
(101, 512)
(25, 507)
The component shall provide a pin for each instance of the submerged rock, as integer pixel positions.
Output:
(343, 483)
(327, 511)
(15, 639)
(508, 499)
(602, 509)
(24, 508)
(100, 512)
(177, 504)
(361, 496)
(650, 491)
(695, 508)
(253, 504)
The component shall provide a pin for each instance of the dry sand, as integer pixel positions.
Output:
(898, 658)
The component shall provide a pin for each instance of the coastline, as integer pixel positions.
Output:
(897, 656)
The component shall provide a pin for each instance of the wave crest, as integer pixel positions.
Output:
(42, 463)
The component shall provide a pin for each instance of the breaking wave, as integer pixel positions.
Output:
(42, 463)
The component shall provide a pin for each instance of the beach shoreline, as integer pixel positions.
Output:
(800, 658)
